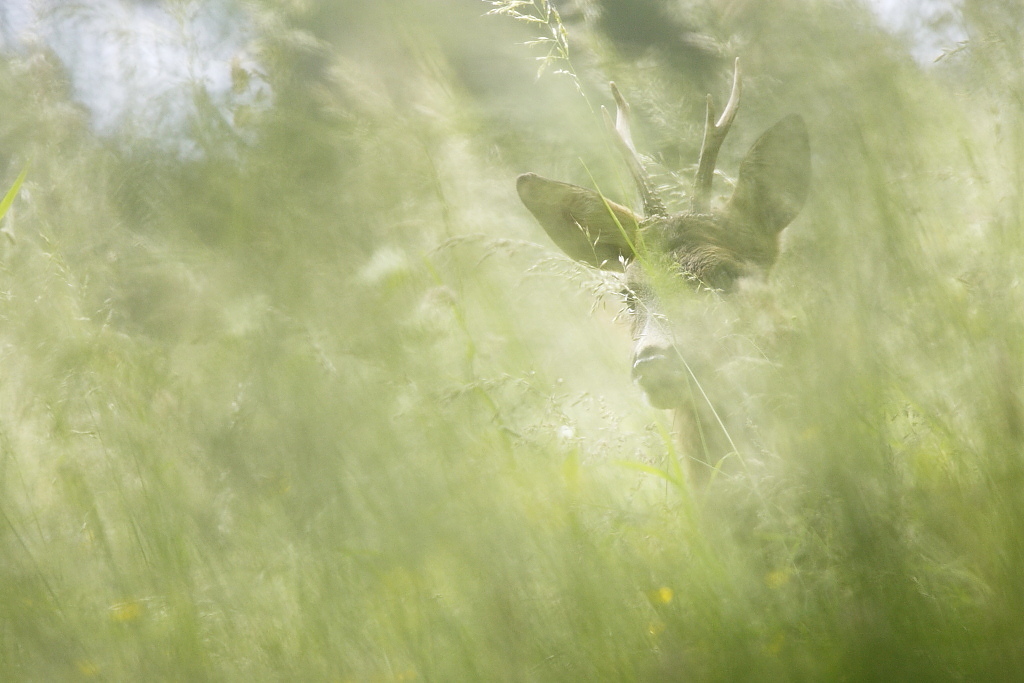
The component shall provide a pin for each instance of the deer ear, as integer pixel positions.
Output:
(580, 222)
(775, 177)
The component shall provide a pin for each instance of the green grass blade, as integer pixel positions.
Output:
(13, 192)
(649, 469)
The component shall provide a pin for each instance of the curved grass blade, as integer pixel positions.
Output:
(13, 192)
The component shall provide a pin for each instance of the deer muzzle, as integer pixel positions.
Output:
(658, 367)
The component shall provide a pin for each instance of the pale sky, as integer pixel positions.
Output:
(912, 17)
(135, 64)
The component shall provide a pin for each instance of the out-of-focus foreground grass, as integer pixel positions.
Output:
(322, 403)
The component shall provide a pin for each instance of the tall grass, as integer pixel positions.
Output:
(328, 406)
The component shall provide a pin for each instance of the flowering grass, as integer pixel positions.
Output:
(327, 406)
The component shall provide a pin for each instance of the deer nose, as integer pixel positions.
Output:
(651, 355)
(658, 369)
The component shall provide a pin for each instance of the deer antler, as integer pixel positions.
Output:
(714, 135)
(624, 141)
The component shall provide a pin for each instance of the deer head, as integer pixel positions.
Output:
(710, 249)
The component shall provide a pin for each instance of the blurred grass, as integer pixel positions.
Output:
(328, 407)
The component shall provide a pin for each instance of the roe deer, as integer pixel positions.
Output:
(710, 249)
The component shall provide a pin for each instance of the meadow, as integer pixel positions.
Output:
(318, 400)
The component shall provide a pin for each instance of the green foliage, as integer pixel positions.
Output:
(326, 405)
(5, 203)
